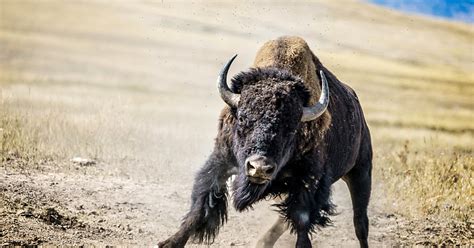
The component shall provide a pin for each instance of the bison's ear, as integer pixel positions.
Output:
(227, 95)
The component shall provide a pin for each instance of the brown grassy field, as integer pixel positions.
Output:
(132, 86)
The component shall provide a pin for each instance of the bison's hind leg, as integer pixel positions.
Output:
(359, 182)
(269, 239)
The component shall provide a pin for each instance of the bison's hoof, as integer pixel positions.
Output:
(170, 243)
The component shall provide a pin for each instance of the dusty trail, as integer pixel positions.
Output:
(117, 211)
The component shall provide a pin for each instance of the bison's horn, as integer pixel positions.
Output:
(313, 112)
(227, 95)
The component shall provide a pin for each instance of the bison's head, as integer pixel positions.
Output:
(269, 110)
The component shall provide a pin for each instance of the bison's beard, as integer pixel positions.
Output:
(246, 193)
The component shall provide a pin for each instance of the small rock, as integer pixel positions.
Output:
(83, 161)
(25, 213)
(390, 216)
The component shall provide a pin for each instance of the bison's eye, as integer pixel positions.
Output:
(241, 125)
(241, 120)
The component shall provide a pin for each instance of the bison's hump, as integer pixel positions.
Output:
(291, 53)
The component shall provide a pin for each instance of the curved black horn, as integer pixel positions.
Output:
(313, 112)
(227, 95)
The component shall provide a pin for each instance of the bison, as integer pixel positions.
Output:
(285, 137)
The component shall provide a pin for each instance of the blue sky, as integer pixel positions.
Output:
(459, 10)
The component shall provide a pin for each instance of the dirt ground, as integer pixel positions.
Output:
(83, 206)
(132, 86)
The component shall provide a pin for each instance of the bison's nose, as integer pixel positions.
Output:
(259, 167)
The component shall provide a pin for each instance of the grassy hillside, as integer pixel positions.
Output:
(132, 85)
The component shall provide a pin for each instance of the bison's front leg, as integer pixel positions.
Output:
(209, 204)
(300, 218)
(307, 206)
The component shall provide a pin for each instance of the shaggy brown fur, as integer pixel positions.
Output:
(293, 54)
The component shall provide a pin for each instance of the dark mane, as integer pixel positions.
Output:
(256, 75)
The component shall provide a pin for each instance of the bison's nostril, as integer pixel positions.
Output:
(270, 170)
(251, 169)
(250, 166)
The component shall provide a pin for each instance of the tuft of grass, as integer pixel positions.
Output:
(431, 185)
(18, 145)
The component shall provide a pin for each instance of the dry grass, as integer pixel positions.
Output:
(431, 184)
(17, 144)
(29, 139)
